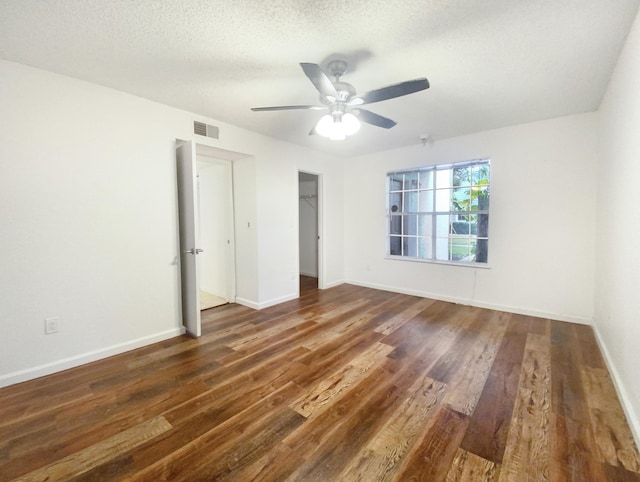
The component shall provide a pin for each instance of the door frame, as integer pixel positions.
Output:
(201, 147)
(320, 226)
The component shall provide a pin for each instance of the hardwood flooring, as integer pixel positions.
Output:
(345, 384)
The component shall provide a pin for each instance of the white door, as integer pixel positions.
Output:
(188, 222)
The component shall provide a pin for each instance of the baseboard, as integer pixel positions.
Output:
(248, 303)
(266, 304)
(480, 304)
(77, 360)
(311, 275)
(333, 284)
(277, 301)
(632, 417)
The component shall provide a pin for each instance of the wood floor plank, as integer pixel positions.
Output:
(466, 387)
(409, 311)
(489, 425)
(336, 447)
(331, 388)
(90, 457)
(432, 458)
(33, 407)
(382, 456)
(612, 434)
(575, 453)
(529, 447)
(191, 456)
(348, 383)
(467, 467)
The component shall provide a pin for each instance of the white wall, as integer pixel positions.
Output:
(617, 308)
(308, 228)
(89, 223)
(541, 226)
(245, 211)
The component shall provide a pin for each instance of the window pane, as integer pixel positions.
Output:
(425, 225)
(410, 225)
(395, 182)
(424, 248)
(460, 228)
(411, 202)
(409, 246)
(462, 176)
(426, 180)
(442, 225)
(395, 225)
(483, 225)
(480, 174)
(482, 250)
(482, 195)
(473, 225)
(425, 201)
(395, 202)
(443, 198)
(443, 178)
(460, 201)
(459, 248)
(442, 249)
(411, 180)
(395, 246)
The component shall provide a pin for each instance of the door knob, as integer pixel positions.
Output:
(194, 251)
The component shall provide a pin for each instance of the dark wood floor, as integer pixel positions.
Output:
(343, 384)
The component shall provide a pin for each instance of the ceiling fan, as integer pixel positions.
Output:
(343, 103)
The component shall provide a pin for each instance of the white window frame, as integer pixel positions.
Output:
(414, 219)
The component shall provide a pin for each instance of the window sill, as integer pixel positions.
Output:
(430, 261)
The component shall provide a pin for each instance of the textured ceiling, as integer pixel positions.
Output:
(491, 63)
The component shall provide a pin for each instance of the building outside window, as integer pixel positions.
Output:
(440, 213)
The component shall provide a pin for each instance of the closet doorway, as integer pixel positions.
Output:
(309, 231)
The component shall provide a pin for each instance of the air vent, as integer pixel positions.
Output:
(202, 129)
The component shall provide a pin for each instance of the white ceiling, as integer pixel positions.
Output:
(491, 63)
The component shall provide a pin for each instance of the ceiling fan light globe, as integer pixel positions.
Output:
(350, 124)
(324, 126)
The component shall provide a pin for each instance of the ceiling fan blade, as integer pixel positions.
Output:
(319, 80)
(288, 107)
(374, 119)
(391, 91)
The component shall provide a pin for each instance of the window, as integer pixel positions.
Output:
(440, 213)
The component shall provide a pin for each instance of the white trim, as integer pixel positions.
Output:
(480, 304)
(83, 358)
(627, 406)
(312, 275)
(436, 261)
(277, 301)
(333, 284)
(248, 303)
(268, 303)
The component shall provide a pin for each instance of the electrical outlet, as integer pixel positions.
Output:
(52, 325)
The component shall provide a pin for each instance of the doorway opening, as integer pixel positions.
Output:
(206, 227)
(309, 231)
(215, 210)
